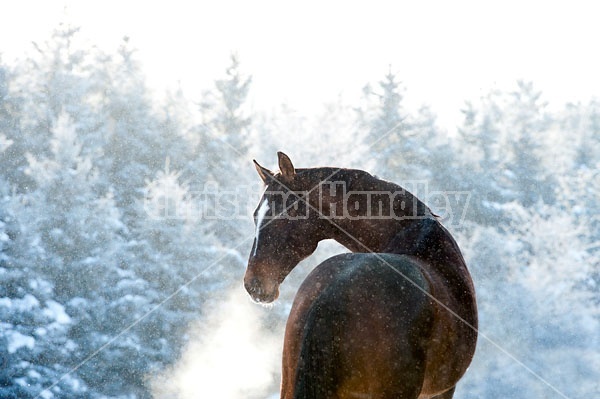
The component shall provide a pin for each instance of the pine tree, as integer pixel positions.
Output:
(35, 339)
(228, 119)
(503, 143)
(63, 75)
(528, 124)
(411, 149)
(480, 151)
(579, 126)
(12, 143)
(221, 157)
(385, 120)
(139, 140)
(542, 273)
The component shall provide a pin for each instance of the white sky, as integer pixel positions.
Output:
(307, 53)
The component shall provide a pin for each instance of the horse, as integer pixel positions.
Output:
(394, 318)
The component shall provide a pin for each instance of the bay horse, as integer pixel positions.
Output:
(395, 318)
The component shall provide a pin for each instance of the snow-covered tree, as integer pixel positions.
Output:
(63, 75)
(173, 231)
(504, 143)
(586, 133)
(537, 304)
(123, 219)
(404, 146)
(221, 156)
(12, 146)
(382, 114)
(527, 130)
(35, 343)
(577, 150)
(479, 150)
(224, 111)
(139, 140)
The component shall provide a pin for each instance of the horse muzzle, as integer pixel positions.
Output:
(258, 292)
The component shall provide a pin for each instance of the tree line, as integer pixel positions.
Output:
(97, 294)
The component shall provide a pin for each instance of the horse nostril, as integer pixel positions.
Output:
(253, 287)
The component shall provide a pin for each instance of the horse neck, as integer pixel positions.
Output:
(423, 237)
(381, 236)
(417, 232)
(395, 209)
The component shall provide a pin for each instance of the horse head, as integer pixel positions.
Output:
(287, 229)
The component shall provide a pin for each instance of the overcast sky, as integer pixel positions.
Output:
(311, 52)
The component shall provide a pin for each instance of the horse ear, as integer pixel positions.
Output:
(285, 166)
(264, 173)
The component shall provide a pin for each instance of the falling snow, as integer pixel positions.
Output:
(126, 222)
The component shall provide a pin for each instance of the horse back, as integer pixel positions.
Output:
(360, 325)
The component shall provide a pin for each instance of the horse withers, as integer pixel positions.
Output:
(396, 318)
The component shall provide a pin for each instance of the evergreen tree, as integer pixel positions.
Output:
(535, 304)
(221, 157)
(526, 140)
(12, 145)
(503, 143)
(138, 140)
(112, 242)
(580, 128)
(407, 147)
(63, 76)
(414, 151)
(36, 340)
(98, 285)
(542, 273)
(480, 151)
(385, 120)
(229, 118)
(530, 124)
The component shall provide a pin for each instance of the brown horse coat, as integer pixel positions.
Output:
(396, 318)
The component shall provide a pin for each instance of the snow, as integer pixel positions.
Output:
(34, 374)
(16, 341)
(40, 285)
(56, 311)
(22, 382)
(46, 394)
(4, 143)
(74, 383)
(27, 303)
(80, 262)
(70, 345)
(41, 331)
